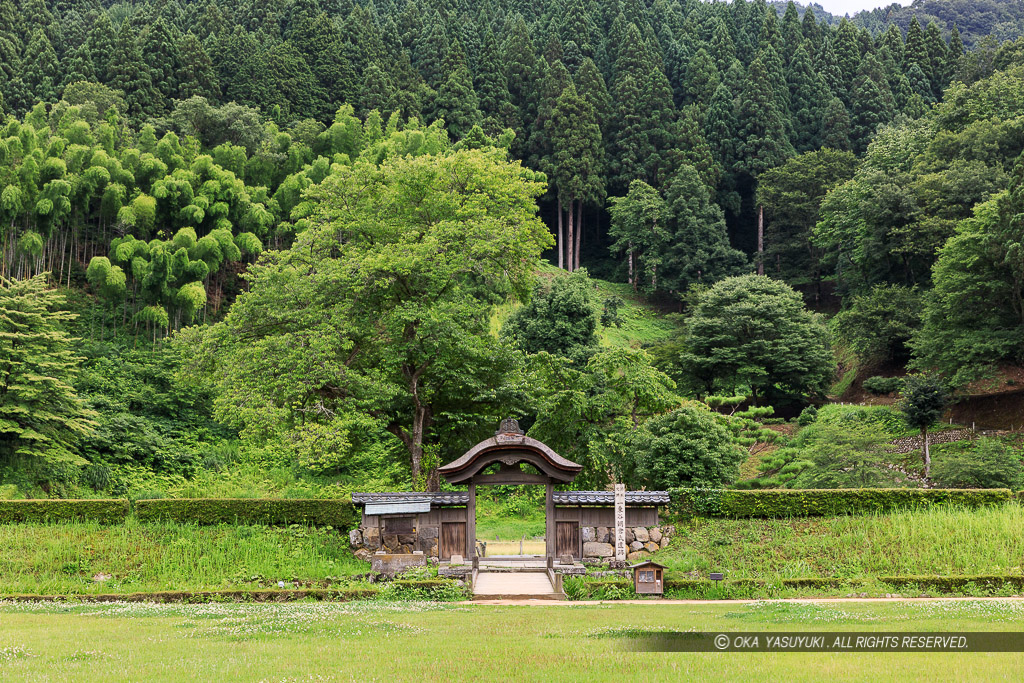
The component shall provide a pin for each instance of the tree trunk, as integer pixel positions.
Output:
(572, 238)
(927, 454)
(632, 279)
(561, 237)
(760, 240)
(579, 232)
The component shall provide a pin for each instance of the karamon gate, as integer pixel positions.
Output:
(579, 524)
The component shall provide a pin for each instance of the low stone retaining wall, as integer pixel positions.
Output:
(599, 542)
(908, 444)
(368, 540)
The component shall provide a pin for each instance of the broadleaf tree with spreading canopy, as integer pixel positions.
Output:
(382, 304)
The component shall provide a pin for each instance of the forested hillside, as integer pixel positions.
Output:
(976, 19)
(281, 232)
(729, 89)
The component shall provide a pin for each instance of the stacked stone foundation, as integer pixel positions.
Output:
(369, 540)
(599, 542)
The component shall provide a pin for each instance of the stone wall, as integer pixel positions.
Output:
(368, 540)
(599, 542)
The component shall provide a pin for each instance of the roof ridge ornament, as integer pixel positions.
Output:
(510, 426)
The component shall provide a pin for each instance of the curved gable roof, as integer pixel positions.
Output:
(510, 448)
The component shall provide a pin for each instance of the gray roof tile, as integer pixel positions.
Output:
(440, 498)
(608, 497)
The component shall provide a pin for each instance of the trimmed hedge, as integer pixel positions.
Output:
(939, 584)
(106, 510)
(824, 502)
(336, 512)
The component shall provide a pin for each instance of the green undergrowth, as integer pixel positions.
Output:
(641, 324)
(512, 517)
(936, 542)
(87, 557)
(783, 466)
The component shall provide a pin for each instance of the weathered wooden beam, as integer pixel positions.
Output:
(510, 477)
(549, 520)
(471, 524)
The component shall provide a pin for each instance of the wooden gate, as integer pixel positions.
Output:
(567, 539)
(453, 539)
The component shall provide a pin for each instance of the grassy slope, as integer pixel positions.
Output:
(417, 642)
(642, 324)
(494, 522)
(941, 542)
(65, 558)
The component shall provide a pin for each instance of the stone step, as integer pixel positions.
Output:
(519, 585)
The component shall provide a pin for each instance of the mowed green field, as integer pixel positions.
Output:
(430, 641)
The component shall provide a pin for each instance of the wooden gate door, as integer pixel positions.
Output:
(453, 539)
(567, 539)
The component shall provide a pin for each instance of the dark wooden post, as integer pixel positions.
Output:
(471, 523)
(549, 520)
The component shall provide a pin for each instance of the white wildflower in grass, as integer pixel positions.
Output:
(11, 653)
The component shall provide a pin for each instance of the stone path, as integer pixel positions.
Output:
(514, 586)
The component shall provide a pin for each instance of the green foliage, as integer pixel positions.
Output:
(754, 331)
(827, 502)
(560, 318)
(42, 419)
(807, 416)
(381, 306)
(57, 511)
(991, 464)
(974, 318)
(340, 514)
(685, 447)
(792, 195)
(610, 311)
(882, 385)
(918, 180)
(587, 414)
(923, 400)
(846, 456)
(878, 325)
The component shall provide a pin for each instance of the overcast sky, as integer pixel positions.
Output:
(851, 7)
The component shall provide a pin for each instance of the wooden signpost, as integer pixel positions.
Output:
(620, 522)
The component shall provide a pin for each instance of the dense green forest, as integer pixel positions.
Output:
(289, 247)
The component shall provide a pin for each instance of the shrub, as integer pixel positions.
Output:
(687, 446)
(339, 513)
(878, 325)
(991, 464)
(846, 456)
(882, 385)
(105, 511)
(807, 416)
(781, 503)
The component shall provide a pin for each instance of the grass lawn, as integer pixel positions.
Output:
(418, 641)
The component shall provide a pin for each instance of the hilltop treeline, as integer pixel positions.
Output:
(599, 94)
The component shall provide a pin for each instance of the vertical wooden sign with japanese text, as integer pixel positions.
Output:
(620, 522)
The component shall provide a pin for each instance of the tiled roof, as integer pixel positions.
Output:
(608, 497)
(441, 498)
